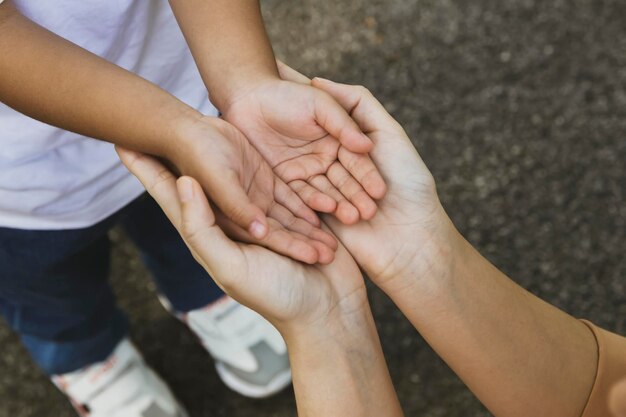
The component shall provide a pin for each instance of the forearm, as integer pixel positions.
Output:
(518, 354)
(229, 43)
(339, 369)
(53, 80)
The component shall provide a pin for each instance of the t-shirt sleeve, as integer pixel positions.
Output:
(611, 369)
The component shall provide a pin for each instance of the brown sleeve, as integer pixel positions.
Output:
(611, 369)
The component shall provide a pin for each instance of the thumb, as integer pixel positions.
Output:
(335, 120)
(198, 228)
(364, 108)
(229, 195)
(289, 74)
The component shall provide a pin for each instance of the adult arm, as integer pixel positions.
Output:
(322, 311)
(518, 354)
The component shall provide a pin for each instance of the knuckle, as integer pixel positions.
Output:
(363, 91)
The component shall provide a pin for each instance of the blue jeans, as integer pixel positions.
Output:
(54, 291)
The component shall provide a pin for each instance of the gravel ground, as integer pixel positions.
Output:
(519, 109)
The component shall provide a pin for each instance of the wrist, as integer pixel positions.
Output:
(187, 132)
(333, 324)
(431, 264)
(241, 85)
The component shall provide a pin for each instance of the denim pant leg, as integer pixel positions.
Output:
(54, 294)
(177, 274)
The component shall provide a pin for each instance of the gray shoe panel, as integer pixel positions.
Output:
(271, 365)
(156, 411)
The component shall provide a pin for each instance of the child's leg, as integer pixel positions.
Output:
(178, 276)
(54, 293)
(250, 355)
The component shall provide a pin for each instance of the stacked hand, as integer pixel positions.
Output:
(301, 152)
(410, 221)
(413, 252)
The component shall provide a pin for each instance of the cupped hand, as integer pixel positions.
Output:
(411, 229)
(253, 205)
(286, 292)
(312, 144)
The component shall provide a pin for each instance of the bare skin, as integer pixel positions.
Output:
(90, 96)
(513, 350)
(321, 311)
(310, 141)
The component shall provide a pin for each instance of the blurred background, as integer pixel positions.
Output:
(519, 109)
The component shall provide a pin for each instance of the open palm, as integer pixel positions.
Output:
(313, 145)
(241, 184)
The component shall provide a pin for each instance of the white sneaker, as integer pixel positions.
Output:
(250, 354)
(121, 386)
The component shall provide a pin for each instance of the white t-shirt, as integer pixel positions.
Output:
(53, 179)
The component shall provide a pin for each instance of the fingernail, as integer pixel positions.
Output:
(185, 189)
(325, 80)
(258, 229)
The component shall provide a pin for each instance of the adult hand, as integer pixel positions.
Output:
(253, 204)
(411, 229)
(288, 293)
(312, 144)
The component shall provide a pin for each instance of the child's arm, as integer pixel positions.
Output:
(53, 80)
(229, 43)
(309, 140)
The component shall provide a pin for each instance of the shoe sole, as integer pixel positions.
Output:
(232, 381)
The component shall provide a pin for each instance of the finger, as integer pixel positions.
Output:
(312, 197)
(289, 243)
(335, 120)
(352, 190)
(345, 212)
(288, 198)
(362, 106)
(158, 181)
(218, 253)
(236, 204)
(294, 224)
(325, 255)
(363, 169)
(278, 239)
(289, 74)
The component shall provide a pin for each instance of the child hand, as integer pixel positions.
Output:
(253, 204)
(312, 144)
